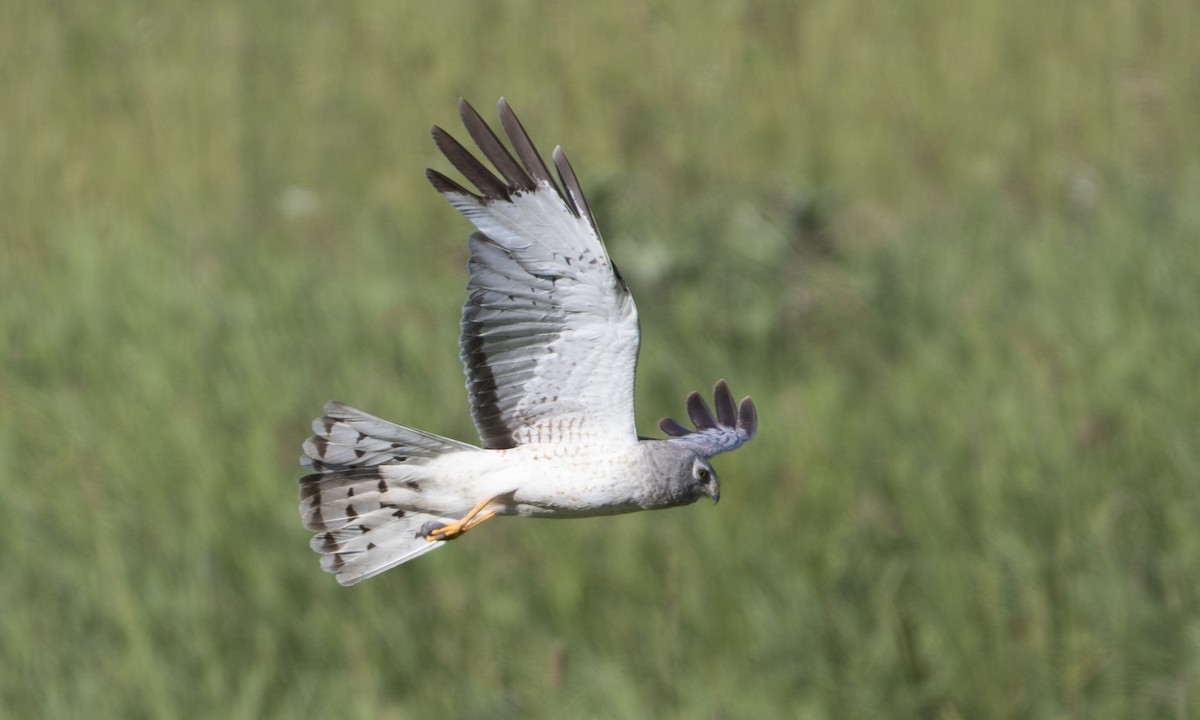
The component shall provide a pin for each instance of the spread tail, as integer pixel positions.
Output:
(363, 498)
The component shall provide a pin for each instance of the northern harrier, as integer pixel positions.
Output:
(550, 342)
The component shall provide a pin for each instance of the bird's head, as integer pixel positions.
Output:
(685, 475)
(682, 459)
(704, 479)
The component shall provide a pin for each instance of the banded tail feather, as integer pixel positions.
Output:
(549, 341)
(363, 501)
(346, 437)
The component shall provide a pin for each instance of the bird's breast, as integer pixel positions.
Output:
(601, 480)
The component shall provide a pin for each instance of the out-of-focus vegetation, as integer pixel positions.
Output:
(950, 248)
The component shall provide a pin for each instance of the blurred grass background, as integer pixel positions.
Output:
(950, 248)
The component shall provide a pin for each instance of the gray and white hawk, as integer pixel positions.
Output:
(550, 342)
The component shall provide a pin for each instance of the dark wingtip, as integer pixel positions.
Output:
(698, 411)
(672, 428)
(445, 185)
(723, 400)
(493, 149)
(526, 150)
(734, 424)
(566, 177)
(471, 168)
(747, 419)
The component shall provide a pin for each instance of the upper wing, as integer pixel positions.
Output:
(549, 331)
(734, 424)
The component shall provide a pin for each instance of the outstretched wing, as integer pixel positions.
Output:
(734, 424)
(549, 331)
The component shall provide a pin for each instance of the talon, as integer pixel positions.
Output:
(473, 517)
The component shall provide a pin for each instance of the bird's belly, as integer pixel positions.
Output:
(577, 487)
(568, 505)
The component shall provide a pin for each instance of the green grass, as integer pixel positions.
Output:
(952, 250)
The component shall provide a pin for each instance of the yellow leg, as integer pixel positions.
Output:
(473, 517)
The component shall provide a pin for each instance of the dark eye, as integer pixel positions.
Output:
(702, 473)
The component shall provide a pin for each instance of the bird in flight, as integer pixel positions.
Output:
(550, 342)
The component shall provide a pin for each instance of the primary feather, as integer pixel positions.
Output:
(549, 342)
(549, 329)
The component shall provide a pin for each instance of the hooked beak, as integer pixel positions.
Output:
(713, 490)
